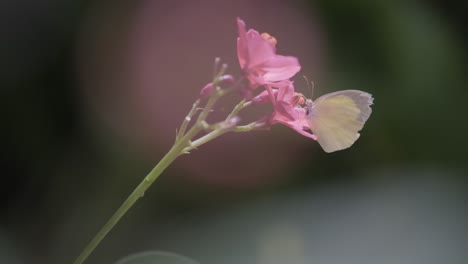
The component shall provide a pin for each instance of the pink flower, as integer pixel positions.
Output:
(287, 109)
(258, 59)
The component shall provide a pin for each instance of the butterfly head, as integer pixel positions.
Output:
(308, 105)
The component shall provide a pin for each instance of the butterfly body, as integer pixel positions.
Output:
(336, 118)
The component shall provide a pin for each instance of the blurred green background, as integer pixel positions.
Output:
(397, 196)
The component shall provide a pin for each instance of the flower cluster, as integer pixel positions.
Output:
(264, 68)
(268, 75)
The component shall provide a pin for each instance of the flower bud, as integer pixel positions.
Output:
(226, 79)
(206, 91)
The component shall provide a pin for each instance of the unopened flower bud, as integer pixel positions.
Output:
(206, 91)
(226, 79)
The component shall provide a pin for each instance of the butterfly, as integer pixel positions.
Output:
(336, 118)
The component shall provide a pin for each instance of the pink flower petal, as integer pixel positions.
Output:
(287, 109)
(280, 68)
(258, 59)
(259, 49)
(242, 52)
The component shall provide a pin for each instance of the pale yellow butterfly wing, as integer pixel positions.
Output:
(336, 118)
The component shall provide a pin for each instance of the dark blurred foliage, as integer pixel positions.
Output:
(411, 55)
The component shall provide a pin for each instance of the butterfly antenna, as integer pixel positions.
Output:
(310, 86)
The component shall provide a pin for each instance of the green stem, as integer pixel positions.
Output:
(236, 109)
(187, 120)
(182, 145)
(208, 137)
(249, 127)
(173, 153)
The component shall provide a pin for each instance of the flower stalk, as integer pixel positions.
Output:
(183, 144)
(139, 191)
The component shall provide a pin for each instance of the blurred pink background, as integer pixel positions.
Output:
(143, 74)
